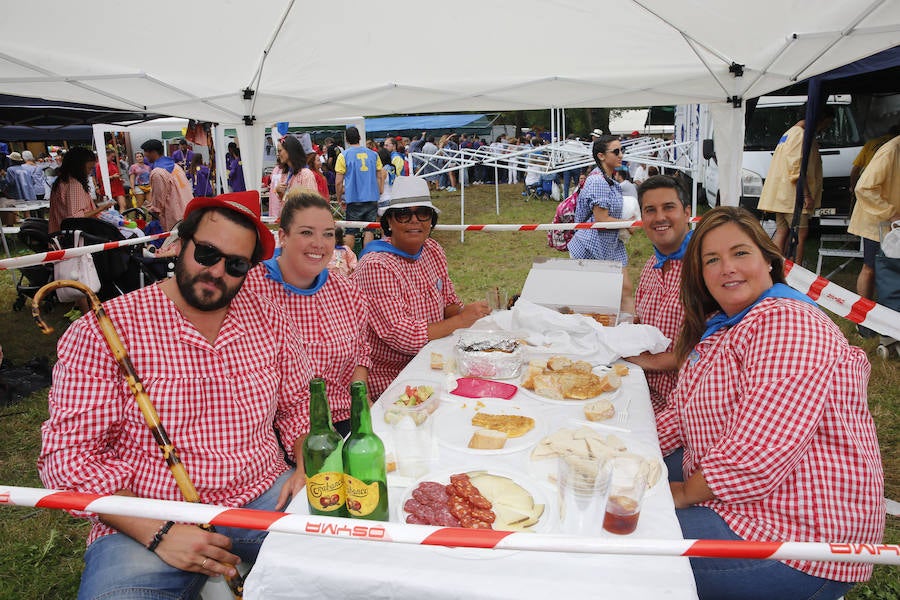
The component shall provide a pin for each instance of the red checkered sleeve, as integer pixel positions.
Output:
(219, 403)
(773, 410)
(658, 303)
(333, 325)
(404, 297)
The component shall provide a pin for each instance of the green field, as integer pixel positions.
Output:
(41, 550)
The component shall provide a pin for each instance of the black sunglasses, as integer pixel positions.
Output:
(208, 255)
(617, 151)
(405, 215)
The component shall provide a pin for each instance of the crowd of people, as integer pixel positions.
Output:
(760, 402)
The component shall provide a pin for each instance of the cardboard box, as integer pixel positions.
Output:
(592, 287)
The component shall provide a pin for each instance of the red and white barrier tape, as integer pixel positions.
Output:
(829, 295)
(515, 227)
(426, 535)
(30, 260)
(844, 303)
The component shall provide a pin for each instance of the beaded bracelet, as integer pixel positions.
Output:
(159, 535)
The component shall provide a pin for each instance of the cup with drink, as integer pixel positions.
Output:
(626, 496)
(583, 488)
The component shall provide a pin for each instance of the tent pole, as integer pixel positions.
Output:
(497, 188)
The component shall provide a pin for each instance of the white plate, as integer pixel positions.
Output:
(546, 524)
(599, 371)
(453, 425)
(546, 469)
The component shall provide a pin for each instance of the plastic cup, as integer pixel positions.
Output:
(626, 496)
(496, 299)
(414, 444)
(583, 488)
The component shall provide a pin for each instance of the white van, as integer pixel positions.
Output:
(774, 115)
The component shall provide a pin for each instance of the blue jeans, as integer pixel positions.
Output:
(739, 579)
(116, 566)
(572, 175)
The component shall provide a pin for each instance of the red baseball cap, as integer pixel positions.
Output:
(243, 203)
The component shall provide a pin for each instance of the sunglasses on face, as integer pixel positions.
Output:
(405, 215)
(208, 255)
(617, 151)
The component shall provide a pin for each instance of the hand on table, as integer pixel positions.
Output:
(189, 548)
(473, 311)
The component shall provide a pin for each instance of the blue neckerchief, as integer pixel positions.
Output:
(383, 246)
(677, 255)
(779, 290)
(273, 272)
(164, 162)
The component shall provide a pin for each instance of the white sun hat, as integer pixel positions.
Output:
(406, 193)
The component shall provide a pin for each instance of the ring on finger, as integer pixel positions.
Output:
(203, 564)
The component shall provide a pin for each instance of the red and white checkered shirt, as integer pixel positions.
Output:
(773, 410)
(333, 327)
(404, 297)
(658, 303)
(219, 403)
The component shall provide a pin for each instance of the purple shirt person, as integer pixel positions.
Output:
(183, 156)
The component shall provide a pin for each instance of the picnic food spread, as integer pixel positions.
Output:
(474, 500)
(562, 378)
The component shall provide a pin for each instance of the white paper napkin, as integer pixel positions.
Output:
(551, 331)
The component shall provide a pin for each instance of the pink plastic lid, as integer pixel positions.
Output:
(473, 387)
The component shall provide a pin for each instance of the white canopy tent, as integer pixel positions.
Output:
(252, 63)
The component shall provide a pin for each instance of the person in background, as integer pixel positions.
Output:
(601, 201)
(877, 206)
(779, 191)
(276, 178)
(770, 409)
(344, 259)
(139, 174)
(70, 195)
(329, 310)
(292, 154)
(228, 375)
(198, 173)
(359, 183)
(623, 179)
(117, 188)
(411, 296)
(126, 180)
(20, 183)
(666, 214)
(236, 171)
(170, 190)
(38, 179)
(184, 156)
(314, 164)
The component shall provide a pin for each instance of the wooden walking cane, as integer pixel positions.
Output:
(151, 417)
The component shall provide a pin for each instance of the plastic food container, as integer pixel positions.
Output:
(489, 354)
(396, 407)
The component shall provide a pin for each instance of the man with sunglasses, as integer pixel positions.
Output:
(411, 297)
(226, 373)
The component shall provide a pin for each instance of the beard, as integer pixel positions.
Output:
(205, 299)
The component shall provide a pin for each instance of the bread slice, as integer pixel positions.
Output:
(599, 410)
(620, 369)
(437, 361)
(487, 439)
(548, 386)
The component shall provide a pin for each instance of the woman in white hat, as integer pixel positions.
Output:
(404, 276)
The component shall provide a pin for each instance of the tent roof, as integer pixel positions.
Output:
(38, 112)
(659, 52)
(425, 122)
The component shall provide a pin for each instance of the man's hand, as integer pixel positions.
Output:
(189, 548)
(291, 488)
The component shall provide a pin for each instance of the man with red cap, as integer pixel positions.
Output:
(229, 379)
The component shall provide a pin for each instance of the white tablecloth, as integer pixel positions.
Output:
(294, 566)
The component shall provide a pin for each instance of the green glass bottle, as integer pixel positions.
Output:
(322, 458)
(365, 475)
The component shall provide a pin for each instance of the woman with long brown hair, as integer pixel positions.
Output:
(770, 409)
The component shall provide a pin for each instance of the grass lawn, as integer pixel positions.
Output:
(41, 550)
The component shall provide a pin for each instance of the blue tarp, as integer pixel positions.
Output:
(423, 123)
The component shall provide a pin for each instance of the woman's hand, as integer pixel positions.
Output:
(473, 311)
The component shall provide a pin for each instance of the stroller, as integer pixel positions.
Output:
(542, 189)
(33, 235)
(121, 270)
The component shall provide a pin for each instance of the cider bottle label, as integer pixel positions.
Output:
(325, 491)
(362, 498)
